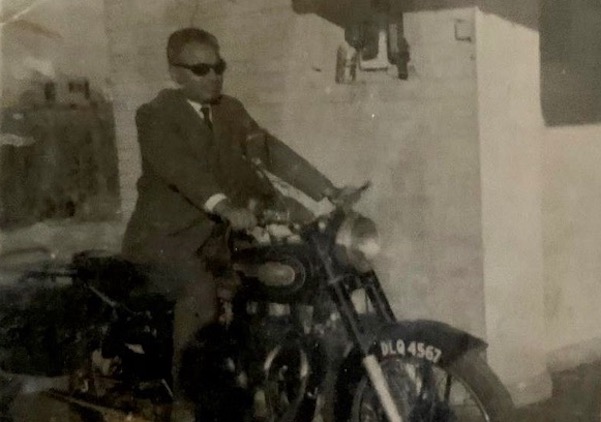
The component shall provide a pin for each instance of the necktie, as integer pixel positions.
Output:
(206, 114)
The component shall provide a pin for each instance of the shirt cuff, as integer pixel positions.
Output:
(213, 201)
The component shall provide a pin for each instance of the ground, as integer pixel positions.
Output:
(576, 398)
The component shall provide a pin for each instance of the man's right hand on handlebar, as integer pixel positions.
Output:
(239, 218)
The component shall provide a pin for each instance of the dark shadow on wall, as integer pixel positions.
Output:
(521, 12)
(342, 12)
(58, 158)
(570, 44)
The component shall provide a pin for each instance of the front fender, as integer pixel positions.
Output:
(430, 340)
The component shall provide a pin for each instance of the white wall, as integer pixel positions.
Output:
(416, 140)
(137, 32)
(572, 223)
(511, 130)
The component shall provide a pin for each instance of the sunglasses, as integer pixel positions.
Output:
(203, 69)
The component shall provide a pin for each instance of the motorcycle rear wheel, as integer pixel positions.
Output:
(465, 391)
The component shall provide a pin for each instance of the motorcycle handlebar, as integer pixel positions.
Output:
(343, 198)
(269, 217)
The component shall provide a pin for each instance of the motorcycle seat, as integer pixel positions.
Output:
(111, 273)
(121, 279)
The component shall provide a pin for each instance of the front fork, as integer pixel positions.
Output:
(341, 288)
(380, 384)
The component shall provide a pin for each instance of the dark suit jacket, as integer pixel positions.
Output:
(184, 163)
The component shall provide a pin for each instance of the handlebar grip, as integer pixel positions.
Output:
(268, 217)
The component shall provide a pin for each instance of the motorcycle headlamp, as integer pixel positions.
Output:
(359, 240)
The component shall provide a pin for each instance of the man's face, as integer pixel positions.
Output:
(205, 88)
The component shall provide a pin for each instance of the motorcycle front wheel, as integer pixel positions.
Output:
(465, 391)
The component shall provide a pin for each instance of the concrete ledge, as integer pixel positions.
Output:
(531, 390)
(574, 355)
(567, 358)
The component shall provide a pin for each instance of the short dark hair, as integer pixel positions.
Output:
(180, 38)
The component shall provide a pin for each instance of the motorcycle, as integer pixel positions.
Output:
(301, 341)
(309, 335)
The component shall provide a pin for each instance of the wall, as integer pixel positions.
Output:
(540, 210)
(511, 129)
(416, 140)
(572, 208)
(137, 31)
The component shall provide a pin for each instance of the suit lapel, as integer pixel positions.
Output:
(195, 131)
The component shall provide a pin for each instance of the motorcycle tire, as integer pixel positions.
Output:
(490, 400)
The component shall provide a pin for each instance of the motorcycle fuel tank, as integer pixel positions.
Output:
(274, 274)
(281, 274)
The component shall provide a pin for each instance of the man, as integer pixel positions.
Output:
(196, 170)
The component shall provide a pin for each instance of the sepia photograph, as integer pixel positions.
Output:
(300, 210)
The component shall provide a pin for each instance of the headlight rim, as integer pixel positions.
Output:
(347, 241)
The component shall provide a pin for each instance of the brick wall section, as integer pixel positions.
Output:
(416, 140)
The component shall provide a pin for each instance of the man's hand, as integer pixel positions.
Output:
(346, 195)
(239, 218)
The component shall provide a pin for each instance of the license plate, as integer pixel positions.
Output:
(416, 349)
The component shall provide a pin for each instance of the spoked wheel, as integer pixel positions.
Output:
(466, 391)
